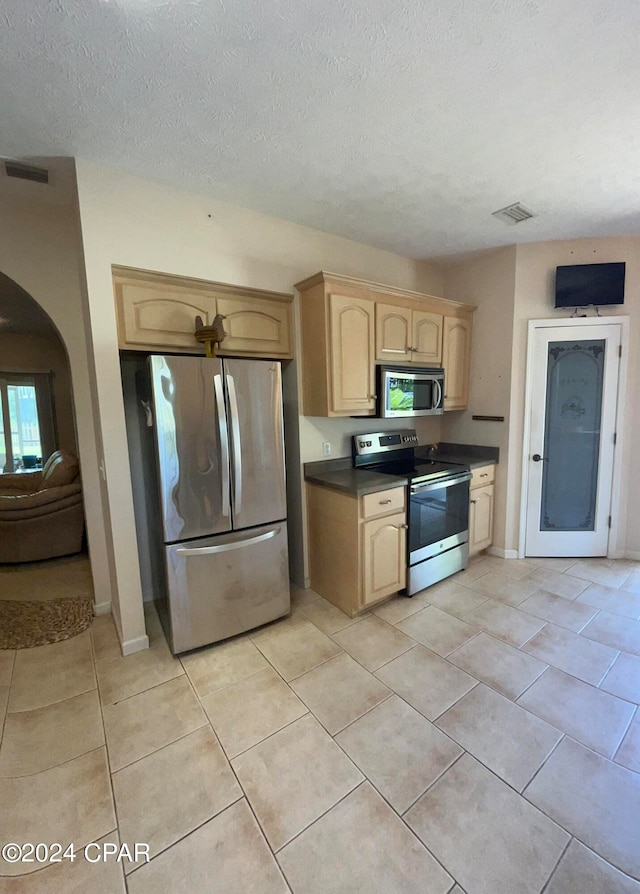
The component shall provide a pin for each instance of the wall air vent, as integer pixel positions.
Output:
(513, 214)
(26, 172)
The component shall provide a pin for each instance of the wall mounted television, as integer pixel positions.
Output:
(581, 284)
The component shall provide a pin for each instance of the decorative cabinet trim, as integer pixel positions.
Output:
(157, 310)
(352, 354)
(456, 360)
(384, 557)
(351, 285)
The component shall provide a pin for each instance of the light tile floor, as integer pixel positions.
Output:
(480, 738)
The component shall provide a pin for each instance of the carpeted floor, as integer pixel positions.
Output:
(44, 602)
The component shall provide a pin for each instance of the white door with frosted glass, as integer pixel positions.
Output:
(573, 392)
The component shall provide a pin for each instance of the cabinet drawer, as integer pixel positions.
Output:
(382, 501)
(483, 475)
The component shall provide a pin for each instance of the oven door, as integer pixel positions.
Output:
(438, 516)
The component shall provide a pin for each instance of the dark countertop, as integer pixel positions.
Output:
(471, 455)
(340, 475)
(356, 481)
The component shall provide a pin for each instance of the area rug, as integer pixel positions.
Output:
(24, 624)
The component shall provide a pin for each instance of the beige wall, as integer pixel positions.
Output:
(138, 223)
(40, 252)
(488, 281)
(512, 286)
(30, 353)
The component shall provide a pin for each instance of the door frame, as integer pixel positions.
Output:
(614, 549)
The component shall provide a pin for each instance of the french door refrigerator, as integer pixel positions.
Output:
(219, 442)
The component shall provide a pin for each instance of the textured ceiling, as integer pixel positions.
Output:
(402, 125)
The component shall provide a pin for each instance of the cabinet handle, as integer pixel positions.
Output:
(473, 501)
(484, 475)
(403, 527)
(384, 502)
(373, 397)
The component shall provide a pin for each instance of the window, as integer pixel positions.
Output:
(26, 420)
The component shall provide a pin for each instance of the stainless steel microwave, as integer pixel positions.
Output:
(409, 391)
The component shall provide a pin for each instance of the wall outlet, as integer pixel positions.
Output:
(326, 448)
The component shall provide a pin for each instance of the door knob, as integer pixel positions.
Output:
(538, 459)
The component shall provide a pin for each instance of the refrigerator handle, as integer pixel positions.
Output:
(235, 445)
(224, 442)
(225, 547)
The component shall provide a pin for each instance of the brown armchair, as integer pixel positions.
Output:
(41, 513)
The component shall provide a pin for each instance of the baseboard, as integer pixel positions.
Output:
(139, 644)
(502, 553)
(632, 554)
(102, 608)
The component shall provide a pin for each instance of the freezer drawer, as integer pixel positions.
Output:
(224, 585)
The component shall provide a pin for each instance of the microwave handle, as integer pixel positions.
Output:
(438, 403)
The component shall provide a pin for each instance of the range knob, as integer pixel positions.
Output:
(362, 443)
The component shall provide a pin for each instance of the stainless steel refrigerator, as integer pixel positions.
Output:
(219, 443)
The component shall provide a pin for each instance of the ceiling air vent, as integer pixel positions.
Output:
(26, 172)
(513, 214)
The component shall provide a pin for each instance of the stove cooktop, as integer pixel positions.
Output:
(394, 453)
(418, 469)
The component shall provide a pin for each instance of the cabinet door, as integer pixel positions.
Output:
(480, 518)
(257, 327)
(352, 346)
(393, 333)
(456, 359)
(384, 557)
(156, 316)
(427, 338)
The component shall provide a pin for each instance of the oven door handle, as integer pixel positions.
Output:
(439, 484)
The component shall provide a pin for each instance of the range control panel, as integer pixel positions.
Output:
(378, 442)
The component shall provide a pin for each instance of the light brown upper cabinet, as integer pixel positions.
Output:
(348, 324)
(405, 335)
(255, 327)
(157, 311)
(338, 350)
(456, 360)
(160, 315)
(351, 328)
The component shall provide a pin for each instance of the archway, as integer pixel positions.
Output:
(43, 553)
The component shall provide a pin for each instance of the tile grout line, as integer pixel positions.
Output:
(244, 795)
(324, 813)
(634, 714)
(436, 780)
(9, 685)
(161, 748)
(186, 835)
(106, 750)
(559, 860)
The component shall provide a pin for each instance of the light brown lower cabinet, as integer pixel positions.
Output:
(357, 545)
(481, 504)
